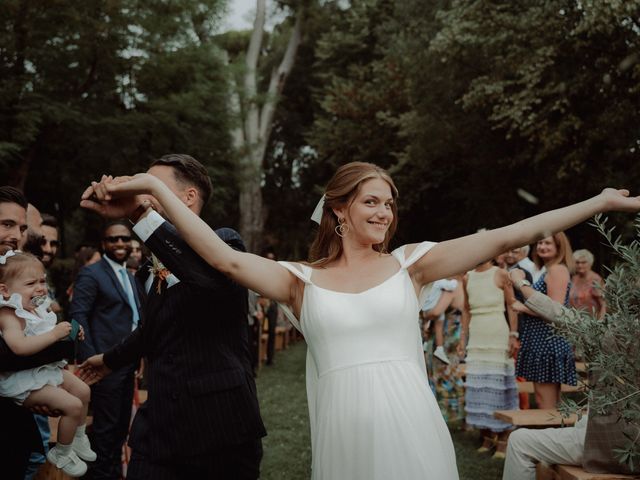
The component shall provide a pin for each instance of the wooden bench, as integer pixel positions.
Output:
(573, 472)
(527, 387)
(535, 418)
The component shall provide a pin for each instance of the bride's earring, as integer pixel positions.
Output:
(342, 228)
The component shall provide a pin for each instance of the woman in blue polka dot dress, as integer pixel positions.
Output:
(545, 358)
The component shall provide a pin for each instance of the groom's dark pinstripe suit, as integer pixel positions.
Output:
(202, 395)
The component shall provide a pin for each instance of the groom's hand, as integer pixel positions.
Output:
(93, 369)
(98, 199)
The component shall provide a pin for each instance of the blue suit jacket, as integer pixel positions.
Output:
(101, 306)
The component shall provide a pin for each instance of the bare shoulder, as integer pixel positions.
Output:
(558, 269)
(502, 275)
(409, 248)
(596, 278)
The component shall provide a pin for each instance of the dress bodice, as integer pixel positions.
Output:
(348, 329)
(484, 296)
(36, 323)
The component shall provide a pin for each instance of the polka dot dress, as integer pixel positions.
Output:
(544, 356)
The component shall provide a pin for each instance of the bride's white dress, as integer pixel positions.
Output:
(372, 413)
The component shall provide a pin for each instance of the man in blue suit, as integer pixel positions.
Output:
(106, 303)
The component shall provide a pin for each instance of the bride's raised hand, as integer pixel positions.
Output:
(100, 198)
(620, 201)
(139, 184)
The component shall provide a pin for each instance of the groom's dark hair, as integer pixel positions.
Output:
(187, 170)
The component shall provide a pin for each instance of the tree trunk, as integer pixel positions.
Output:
(252, 135)
(252, 213)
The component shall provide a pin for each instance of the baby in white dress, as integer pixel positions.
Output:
(28, 327)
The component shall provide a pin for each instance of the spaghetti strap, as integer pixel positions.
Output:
(303, 272)
(290, 316)
(416, 255)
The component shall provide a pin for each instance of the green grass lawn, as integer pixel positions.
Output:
(287, 448)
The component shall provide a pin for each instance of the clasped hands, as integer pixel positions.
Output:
(119, 197)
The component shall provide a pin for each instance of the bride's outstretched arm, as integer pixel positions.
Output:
(257, 273)
(464, 253)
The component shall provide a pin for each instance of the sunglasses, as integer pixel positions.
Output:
(115, 238)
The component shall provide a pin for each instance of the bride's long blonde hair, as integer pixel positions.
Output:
(341, 191)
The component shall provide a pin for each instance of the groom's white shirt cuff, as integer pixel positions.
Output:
(144, 229)
(147, 225)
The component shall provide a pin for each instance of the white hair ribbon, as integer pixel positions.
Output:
(3, 258)
(316, 216)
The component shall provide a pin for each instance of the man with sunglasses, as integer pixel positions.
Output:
(107, 305)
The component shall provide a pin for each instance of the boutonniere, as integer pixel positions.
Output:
(158, 270)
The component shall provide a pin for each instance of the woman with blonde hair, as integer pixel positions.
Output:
(546, 359)
(372, 413)
(586, 285)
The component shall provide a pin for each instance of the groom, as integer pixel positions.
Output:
(201, 419)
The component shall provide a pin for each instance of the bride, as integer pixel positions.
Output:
(372, 413)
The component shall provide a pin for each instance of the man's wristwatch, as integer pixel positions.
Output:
(515, 335)
(523, 282)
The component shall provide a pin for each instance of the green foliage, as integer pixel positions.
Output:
(104, 87)
(609, 345)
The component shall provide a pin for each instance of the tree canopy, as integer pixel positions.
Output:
(466, 102)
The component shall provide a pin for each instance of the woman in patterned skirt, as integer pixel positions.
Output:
(545, 358)
(491, 383)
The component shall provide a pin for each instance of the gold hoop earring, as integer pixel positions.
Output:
(342, 228)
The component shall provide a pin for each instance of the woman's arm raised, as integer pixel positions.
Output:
(461, 254)
(252, 271)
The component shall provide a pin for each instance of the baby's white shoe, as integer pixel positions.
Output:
(68, 462)
(82, 447)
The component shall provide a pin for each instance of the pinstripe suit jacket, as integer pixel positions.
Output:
(202, 394)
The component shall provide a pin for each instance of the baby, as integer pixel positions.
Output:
(28, 327)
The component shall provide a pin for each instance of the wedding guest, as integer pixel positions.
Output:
(49, 250)
(136, 252)
(33, 241)
(491, 383)
(519, 258)
(433, 310)
(586, 285)
(21, 435)
(270, 309)
(592, 441)
(28, 327)
(107, 304)
(547, 359)
(359, 314)
(85, 255)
